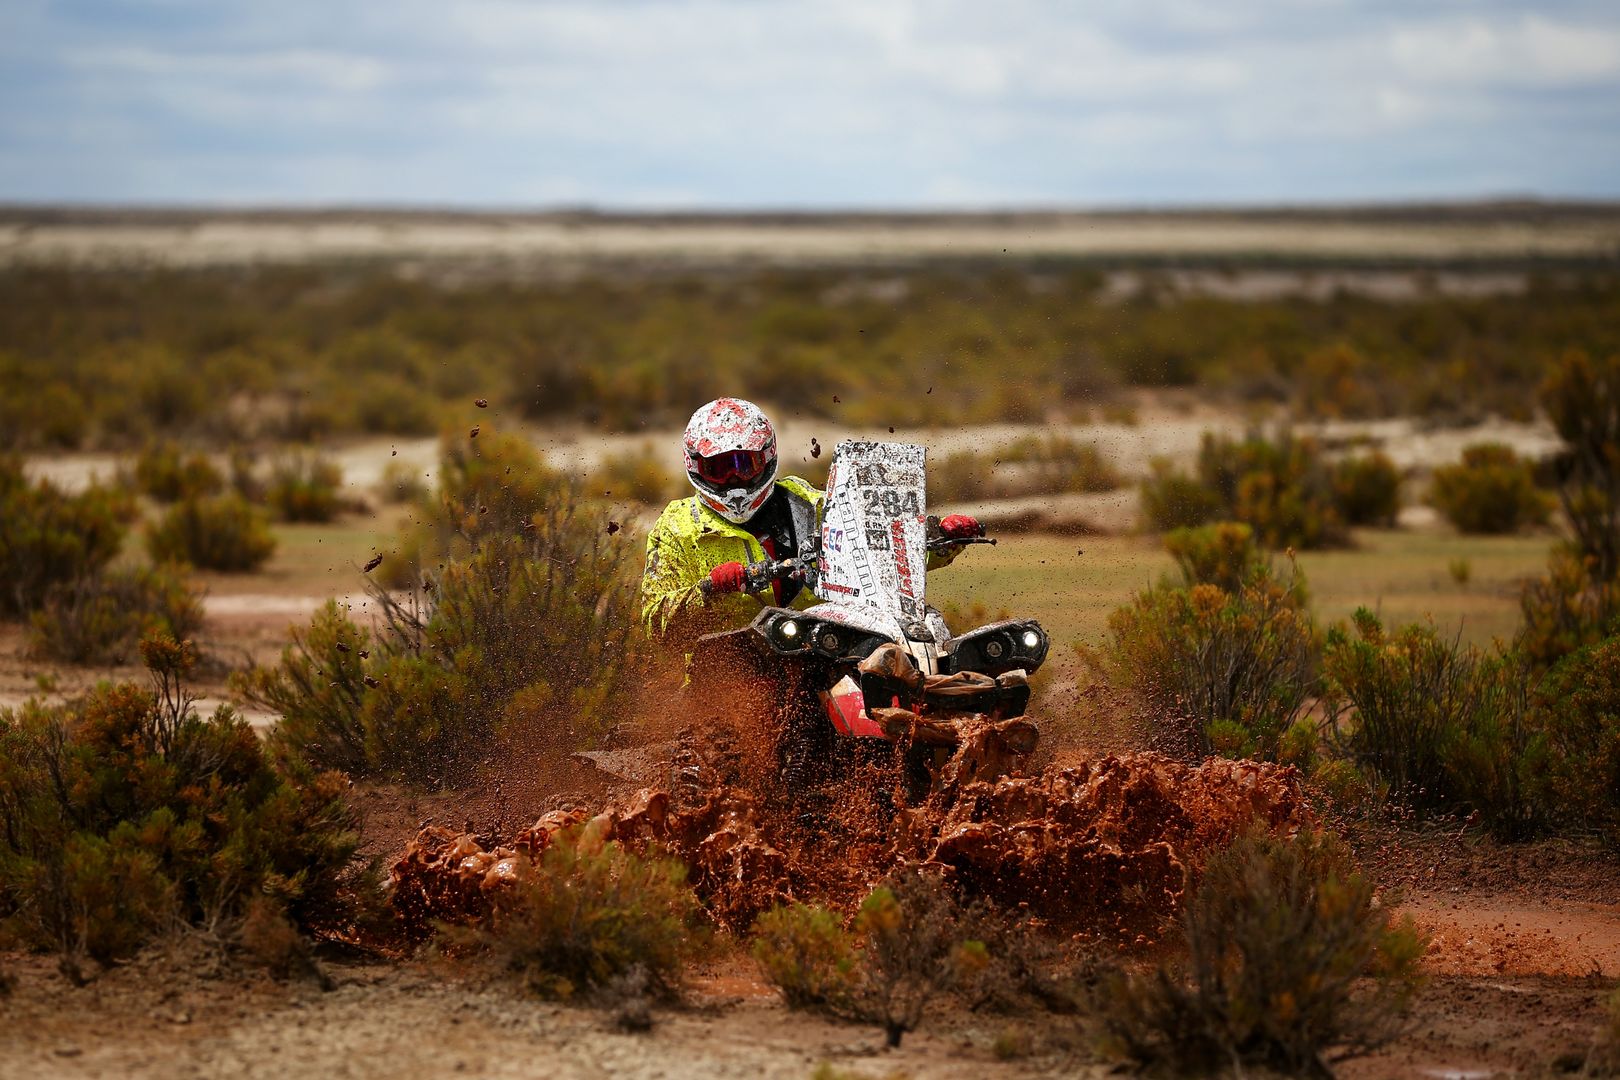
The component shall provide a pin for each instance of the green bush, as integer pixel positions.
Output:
(805, 952)
(1281, 488)
(101, 618)
(127, 812)
(402, 483)
(641, 475)
(341, 348)
(221, 532)
(587, 914)
(304, 487)
(1059, 463)
(1492, 490)
(1567, 608)
(1173, 500)
(959, 477)
(1286, 956)
(493, 484)
(1367, 489)
(1581, 703)
(1223, 554)
(1220, 671)
(917, 941)
(1582, 398)
(1439, 725)
(164, 473)
(530, 637)
(48, 538)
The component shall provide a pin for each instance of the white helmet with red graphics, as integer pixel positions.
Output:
(731, 457)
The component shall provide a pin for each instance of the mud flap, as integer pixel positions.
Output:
(846, 708)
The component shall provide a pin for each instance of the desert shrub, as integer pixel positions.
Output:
(1059, 463)
(319, 692)
(1580, 699)
(1602, 1056)
(529, 638)
(1223, 671)
(1367, 489)
(402, 483)
(220, 532)
(961, 476)
(1282, 488)
(344, 348)
(48, 538)
(127, 812)
(1287, 957)
(1492, 490)
(165, 473)
(805, 952)
(245, 477)
(917, 942)
(1173, 500)
(1565, 609)
(1223, 554)
(304, 487)
(102, 617)
(1439, 725)
(493, 484)
(589, 913)
(641, 475)
(1582, 398)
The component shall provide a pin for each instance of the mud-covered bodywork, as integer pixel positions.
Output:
(874, 640)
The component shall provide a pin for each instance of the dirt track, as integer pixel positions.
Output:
(1510, 993)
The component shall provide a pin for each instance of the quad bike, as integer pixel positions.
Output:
(873, 672)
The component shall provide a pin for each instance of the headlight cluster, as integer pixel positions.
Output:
(791, 634)
(997, 648)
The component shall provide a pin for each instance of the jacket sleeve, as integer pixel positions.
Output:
(669, 584)
(937, 559)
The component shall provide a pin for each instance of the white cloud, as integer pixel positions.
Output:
(839, 102)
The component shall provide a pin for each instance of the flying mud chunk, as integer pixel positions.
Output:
(1107, 846)
(1103, 848)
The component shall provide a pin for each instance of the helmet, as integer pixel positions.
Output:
(731, 457)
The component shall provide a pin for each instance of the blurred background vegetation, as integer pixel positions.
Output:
(111, 360)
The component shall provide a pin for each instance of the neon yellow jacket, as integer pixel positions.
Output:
(688, 541)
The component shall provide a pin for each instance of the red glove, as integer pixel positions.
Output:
(960, 527)
(727, 578)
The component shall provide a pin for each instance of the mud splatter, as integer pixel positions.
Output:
(1100, 847)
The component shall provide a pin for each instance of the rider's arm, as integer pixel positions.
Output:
(669, 585)
(952, 526)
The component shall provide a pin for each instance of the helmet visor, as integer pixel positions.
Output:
(735, 468)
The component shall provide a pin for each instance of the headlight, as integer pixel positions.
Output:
(997, 648)
(788, 628)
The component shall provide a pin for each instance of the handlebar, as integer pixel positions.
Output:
(946, 542)
(758, 576)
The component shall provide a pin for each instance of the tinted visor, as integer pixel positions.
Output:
(736, 468)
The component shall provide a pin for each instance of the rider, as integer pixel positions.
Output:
(700, 550)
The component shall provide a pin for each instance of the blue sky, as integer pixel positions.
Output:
(837, 103)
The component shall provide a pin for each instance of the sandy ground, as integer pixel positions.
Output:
(419, 1021)
(548, 240)
(1526, 945)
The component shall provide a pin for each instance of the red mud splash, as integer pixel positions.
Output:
(1106, 846)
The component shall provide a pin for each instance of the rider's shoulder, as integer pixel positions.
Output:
(685, 512)
(798, 485)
